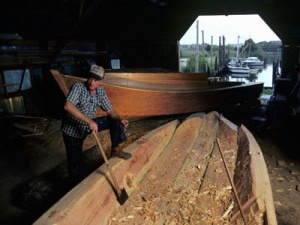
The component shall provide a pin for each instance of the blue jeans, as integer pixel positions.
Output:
(74, 145)
(116, 130)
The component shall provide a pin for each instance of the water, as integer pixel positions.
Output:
(264, 75)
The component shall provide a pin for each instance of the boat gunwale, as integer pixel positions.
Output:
(261, 197)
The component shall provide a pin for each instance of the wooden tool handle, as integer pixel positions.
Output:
(232, 184)
(107, 164)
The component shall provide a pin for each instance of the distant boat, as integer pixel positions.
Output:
(235, 67)
(240, 75)
(253, 62)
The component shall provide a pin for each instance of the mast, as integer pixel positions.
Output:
(197, 51)
(203, 53)
(237, 47)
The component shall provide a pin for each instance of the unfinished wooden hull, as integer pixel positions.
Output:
(177, 176)
(142, 95)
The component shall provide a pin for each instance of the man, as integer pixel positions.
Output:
(82, 103)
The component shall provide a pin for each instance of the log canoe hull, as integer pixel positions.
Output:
(177, 175)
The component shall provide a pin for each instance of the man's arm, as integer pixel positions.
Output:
(71, 108)
(116, 116)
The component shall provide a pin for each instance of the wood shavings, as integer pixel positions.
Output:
(280, 190)
(228, 211)
(158, 201)
(130, 180)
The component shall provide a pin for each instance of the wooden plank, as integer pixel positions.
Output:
(61, 82)
(46, 53)
(22, 62)
(8, 85)
(260, 183)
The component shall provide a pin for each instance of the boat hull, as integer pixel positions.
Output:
(240, 75)
(174, 173)
(180, 93)
(238, 70)
(141, 104)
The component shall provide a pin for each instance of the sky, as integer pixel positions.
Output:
(232, 26)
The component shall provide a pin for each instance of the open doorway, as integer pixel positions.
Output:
(238, 36)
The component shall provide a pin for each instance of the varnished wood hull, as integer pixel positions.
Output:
(177, 174)
(137, 95)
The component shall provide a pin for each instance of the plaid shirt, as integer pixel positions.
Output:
(86, 103)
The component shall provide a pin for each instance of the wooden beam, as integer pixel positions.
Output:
(13, 63)
(46, 53)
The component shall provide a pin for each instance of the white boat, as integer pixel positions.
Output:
(235, 66)
(253, 62)
(240, 75)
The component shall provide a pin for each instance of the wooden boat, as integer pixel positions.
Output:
(140, 95)
(201, 171)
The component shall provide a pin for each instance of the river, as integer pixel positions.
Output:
(264, 75)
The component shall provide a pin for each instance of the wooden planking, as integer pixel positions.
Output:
(194, 86)
(93, 199)
(202, 147)
(146, 99)
(143, 76)
(193, 157)
(8, 85)
(159, 180)
(65, 82)
(154, 179)
(169, 191)
(22, 62)
(137, 103)
(251, 164)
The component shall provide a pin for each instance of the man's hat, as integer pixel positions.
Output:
(97, 72)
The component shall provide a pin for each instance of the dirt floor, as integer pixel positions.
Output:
(33, 163)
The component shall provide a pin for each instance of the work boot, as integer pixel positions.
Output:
(120, 154)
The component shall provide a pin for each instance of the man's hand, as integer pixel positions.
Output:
(93, 126)
(115, 116)
(124, 123)
(70, 108)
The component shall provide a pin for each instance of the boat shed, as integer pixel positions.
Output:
(68, 35)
